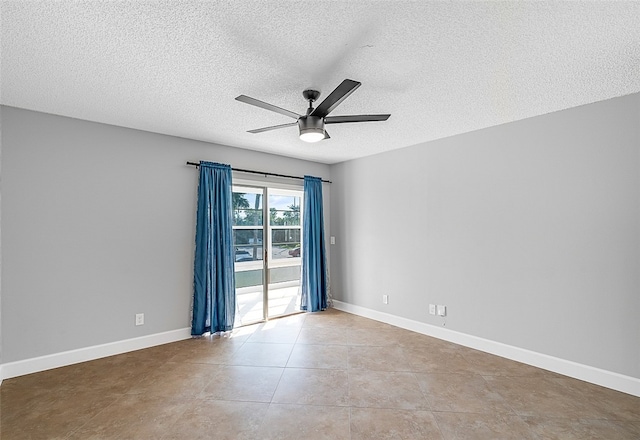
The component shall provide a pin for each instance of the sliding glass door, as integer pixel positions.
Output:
(267, 240)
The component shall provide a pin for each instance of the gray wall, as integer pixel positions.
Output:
(1, 244)
(98, 225)
(528, 232)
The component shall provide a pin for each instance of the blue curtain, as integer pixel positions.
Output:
(214, 287)
(314, 266)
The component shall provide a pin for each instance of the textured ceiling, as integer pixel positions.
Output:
(439, 68)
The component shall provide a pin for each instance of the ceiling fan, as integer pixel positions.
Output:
(312, 124)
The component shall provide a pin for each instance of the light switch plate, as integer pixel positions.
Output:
(442, 310)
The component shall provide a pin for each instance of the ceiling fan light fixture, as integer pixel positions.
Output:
(312, 134)
(311, 128)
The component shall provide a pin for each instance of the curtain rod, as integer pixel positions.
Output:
(264, 173)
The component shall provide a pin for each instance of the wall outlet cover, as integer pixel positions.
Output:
(432, 309)
(139, 318)
(442, 310)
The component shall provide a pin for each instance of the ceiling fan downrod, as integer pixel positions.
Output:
(311, 96)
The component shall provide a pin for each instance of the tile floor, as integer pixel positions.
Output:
(328, 375)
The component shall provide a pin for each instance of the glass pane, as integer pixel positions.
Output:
(285, 243)
(247, 209)
(284, 274)
(284, 210)
(284, 290)
(249, 294)
(249, 278)
(248, 244)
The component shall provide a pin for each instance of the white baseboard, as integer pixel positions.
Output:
(608, 379)
(34, 365)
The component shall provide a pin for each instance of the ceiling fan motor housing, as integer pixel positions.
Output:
(311, 123)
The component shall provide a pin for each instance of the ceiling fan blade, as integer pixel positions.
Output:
(273, 127)
(354, 118)
(346, 88)
(266, 106)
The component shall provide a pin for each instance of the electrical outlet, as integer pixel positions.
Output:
(333, 240)
(442, 310)
(385, 299)
(139, 318)
(432, 309)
